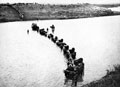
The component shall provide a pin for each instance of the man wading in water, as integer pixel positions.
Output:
(53, 28)
(79, 71)
(75, 74)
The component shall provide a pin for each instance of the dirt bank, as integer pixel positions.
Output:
(112, 79)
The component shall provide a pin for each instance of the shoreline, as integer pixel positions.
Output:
(50, 19)
(111, 79)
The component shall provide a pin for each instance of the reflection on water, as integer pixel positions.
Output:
(115, 9)
(97, 40)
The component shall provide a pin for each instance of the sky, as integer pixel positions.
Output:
(62, 1)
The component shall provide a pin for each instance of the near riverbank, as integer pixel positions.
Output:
(112, 79)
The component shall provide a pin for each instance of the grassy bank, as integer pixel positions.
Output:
(35, 11)
(112, 79)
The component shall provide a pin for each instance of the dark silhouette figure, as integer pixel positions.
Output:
(35, 27)
(72, 50)
(47, 30)
(69, 73)
(61, 40)
(27, 31)
(73, 53)
(66, 52)
(60, 44)
(79, 71)
(66, 47)
(70, 62)
(53, 28)
(54, 39)
(43, 32)
(75, 73)
(50, 36)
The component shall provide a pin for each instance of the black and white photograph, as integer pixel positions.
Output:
(59, 43)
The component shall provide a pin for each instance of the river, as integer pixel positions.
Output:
(115, 8)
(23, 56)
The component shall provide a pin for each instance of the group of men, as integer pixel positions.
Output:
(42, 31)
(75, 72)
(69, 54)
(75, 67)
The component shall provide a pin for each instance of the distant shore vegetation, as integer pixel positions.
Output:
(35, 11)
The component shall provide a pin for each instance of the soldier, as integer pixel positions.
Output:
(43, 32)
(27, 31)
(79, 71)
(35, 27)
(53, 28)
(73, 53)
(69, 73)
(47, 30)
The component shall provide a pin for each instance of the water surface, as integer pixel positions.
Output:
(115, 8)
(97, 40)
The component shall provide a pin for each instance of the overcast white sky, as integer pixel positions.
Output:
(61, 1)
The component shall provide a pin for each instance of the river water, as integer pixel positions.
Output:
(115, 8)
(30, 60)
